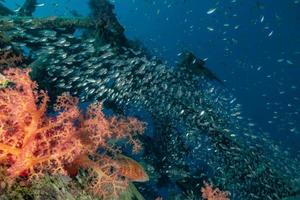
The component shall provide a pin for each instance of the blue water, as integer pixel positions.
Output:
(239, 50)
(254, 47)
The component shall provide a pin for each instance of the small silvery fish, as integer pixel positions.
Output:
(211, 11)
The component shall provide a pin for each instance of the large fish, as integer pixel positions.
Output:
(131, 169)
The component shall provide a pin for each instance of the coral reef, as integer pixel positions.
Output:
(190, 113)
(34, 144)
(196, 66)
(26, 9)
(211, 193)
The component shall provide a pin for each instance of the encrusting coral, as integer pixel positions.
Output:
(33, 143)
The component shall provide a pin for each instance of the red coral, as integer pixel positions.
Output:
(208, 193)
(33, 143)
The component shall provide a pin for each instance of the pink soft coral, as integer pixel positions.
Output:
(96, 129)
(209, 193)
(108, 176)
(33, 143)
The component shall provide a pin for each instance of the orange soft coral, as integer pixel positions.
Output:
(108, 176)
(96, 130)
(209, 193)
(104, 179)
(31, 142)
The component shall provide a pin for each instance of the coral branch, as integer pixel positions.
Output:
(33, 143)
(209, 193)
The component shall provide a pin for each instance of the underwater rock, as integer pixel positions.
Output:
(59, 188)
(108, 27)
(28, 8)
(191, 64)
